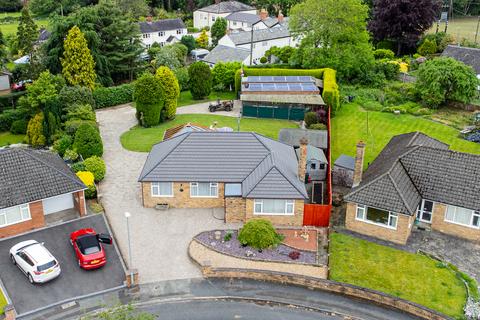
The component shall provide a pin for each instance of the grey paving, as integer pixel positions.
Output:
(72, 282)
(159, 239)
(202, 108)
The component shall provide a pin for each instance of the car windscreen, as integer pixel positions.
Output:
(88, 244)
(46, 266)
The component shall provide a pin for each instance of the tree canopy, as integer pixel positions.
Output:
(170, 90)
(27, 32)
(218, 30)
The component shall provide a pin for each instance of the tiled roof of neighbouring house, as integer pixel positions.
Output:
(265, 167)
(469, 56)
(316, 138)
(227, 6)
(345, 162)
(413, 167)
(243, 17)
(245, 37)
(161, 25)
(28, 175)
(226, 54)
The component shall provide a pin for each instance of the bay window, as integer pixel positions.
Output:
(162, 189)
(377, 216)
(462, 216)
(273, 207)
(204, 189)
(14, 215)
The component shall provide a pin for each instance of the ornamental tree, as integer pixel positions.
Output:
(443, 79)
(87, 141)
(78, 66)
(44, 90)
(35, 135)
(202, 40)
(403, 21)
(148, 97)
(218, 30)
(189, 42)
(170, 90)
(223, 75)
(27, 32)
(200, 80)
(259, 234)
(96, 166)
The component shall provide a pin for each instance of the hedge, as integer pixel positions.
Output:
(331, 94)
(9, 101)
(113, 96)
(9, 116)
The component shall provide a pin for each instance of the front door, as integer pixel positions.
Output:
(425, 211)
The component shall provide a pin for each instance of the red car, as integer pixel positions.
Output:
(88, 248)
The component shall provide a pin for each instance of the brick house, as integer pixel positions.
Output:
(245, 173)
(35, 183)
(415, 180)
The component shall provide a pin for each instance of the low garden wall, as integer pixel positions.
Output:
(345, 289)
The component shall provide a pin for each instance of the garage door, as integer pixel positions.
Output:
(58, 203)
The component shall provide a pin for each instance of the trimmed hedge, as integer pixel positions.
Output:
(331, 94)
(113, 96)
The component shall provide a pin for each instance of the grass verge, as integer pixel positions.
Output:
(3, 302)
(9, 138)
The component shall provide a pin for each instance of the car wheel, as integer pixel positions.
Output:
(30, 278)
(13, 259)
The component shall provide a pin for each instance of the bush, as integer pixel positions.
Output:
(112, 96)
(19, 126)
(78, 166)
(228, 236)
(383, 54)
(200, 80)
(183, 78)
(69, 96)
(10, 100)
(223, 75)
(389, 69)
(148, 97)
(71, 126)
(310, 118)
(80, 112)
(87, 141)
(259, 234)
(62, 144)
(35, 136)
(96, 166)
(88, 180)
(263, 59)
(70, 155)
(9, 116)
(170, 90)
(428, 47)
(318, 126)
(189, 41)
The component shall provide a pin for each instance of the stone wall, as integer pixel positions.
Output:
(344, 289)
(181, 197)
(439, 224)
(286, 220)
(37, 221)
(234, 209)
(399, 235)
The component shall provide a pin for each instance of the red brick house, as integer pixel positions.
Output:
(35, 183)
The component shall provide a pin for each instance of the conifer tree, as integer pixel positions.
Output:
(27, 32)
(202, 40)
(170, 89)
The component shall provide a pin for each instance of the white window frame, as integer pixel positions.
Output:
(24, 211)
(212, 185)
(146, 35)
(179, 31)
(161, 34)
(288, 202)
(265, 43)
(473, 214)
(363, 217)
(420, 210)
(153, 184)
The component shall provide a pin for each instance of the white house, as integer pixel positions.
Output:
(205, 17)
(163, 32)
(241, 21)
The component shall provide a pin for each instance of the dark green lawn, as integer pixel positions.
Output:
(350, 126)
(9, 138)
(142, 139)
(186, 98)
(406, 275)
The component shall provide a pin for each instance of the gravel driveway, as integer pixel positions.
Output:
(159, 239)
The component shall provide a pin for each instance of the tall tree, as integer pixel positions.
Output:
(3, 50)
(78, 66)
(403, 21)
(218, 30)
(170, 89)
(10, 5)
(27, 32)
(135, 8)
(202, 40)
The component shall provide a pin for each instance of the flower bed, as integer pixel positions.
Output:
(233, 247)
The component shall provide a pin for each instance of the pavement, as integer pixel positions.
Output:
(73, 281)
(159, 239)
(202, 108)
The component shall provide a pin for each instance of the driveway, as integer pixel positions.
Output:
(73, 281)
(159, 239)
(202, 108)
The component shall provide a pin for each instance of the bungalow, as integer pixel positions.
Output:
(415, 180)
(206, 16)
(35, 184)
(245, 173)
(163, 32)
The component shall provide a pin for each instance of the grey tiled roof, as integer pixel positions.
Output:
(244, 37)
(316, 138)
(28, 175)
(235, 157)
(161, 25)
(227, 6)
(469, 56)
(414, 166)
(345, 161)
(243, 17)
(313, 153)
(226, 54)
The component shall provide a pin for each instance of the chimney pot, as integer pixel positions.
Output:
(149, 18)
(263, 14)
(359, 158)
(280, 16)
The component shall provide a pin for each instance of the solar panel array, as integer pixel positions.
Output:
(278, 79)
(279, 87)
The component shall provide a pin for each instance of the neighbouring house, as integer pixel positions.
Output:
(184, 128)
(241, 21)
(35, 184)
(247, 174)
(43, 36)
(163, 32)
(226, 54)
(469, 56)
(205, 17)
(4, 82)
(415, 180)
(342, 171)
(316, 163)
(292, 137)
(280, 97)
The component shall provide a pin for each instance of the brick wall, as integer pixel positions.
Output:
(37, 221)
(295, 220)
(234, 209)
(182, 199)
(439, 224)
(400, 235)
(79, 202)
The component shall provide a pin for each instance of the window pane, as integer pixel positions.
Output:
(25, 212)
(360, 212)
(3, 220)
(476, 220)
(427, 206)
(393, 220)
(165, 188)
(463, 215)
(273, 206)
(450, 214)
(13, 215)
(289, 206)
(204, 189)
(258, 207)
(194, 189)
(377, 215)
(213, 189)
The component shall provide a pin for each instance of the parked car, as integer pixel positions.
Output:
(21, 85)
(219, 106)
(88, 248)
(35, 261)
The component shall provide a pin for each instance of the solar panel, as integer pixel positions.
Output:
(278, 79)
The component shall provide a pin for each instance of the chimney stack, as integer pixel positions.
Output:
(358, 169)
(302, 159)
(280, 16)
(263, 14)
(149, 18)
(218, 1)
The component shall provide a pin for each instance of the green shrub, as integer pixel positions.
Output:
(183, 78)
(389, 69)
(19, 126)
(80, 112)
(263, 60)
(112, 96)
(310, 118)
(78, 166)
(148, 97)
(259, 234)
(428, 47)
(35, 136)
(10, 100)
(71, 126)
(331, 94)
(96, 166)
(69, 96)
(62, 144)
(200, 80)
(227, 236)
(9, 116)
(318, 126)
(383, 54)
(87, 141)
(70, 155)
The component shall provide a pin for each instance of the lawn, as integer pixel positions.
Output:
(11, 28)
(142, 139)
(350, 126)
(459, 28)
(186, 97)
(9, 138)
(406, 275)
(3, 302)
